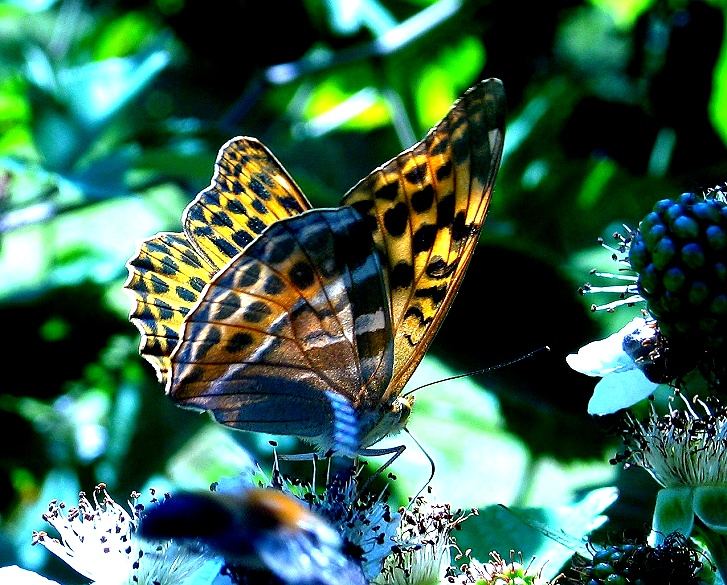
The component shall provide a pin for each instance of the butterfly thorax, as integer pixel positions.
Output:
(388, 419)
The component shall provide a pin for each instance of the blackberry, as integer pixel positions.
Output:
(672, 563)
(680, 254)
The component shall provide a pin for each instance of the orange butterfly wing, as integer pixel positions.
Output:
(300, 316)
(249, 191)
(426, 207)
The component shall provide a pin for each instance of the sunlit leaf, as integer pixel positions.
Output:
(71, 106)
(624, 12)
(123, 36)
(443, 78)
(718, 100)
(331, 106)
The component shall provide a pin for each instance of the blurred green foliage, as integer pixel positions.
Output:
(110, 117)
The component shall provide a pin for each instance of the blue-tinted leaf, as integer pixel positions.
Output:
(552, 535)
(98, 90)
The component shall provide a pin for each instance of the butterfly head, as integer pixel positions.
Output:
(388, 420)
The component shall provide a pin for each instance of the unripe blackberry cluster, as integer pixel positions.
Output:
(634, 564)
(680, 254)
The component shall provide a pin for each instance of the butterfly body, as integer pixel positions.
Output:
(308, 322)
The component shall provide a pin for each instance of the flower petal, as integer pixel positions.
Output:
(674, 512)
(18, 576)
(620, 390)
(606, 356)
(710, 506)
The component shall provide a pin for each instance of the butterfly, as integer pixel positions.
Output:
(280, 318)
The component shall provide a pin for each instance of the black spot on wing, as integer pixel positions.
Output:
(241, 238)
(227, 306)
(158, 286)
(460, 230)
(238, 342)
(256, 312)
(424, 237)
(445, 211)
(301, 275)
(417, 175)
(396, 219)
(440, 147)
(234, 206)
(279, 248)
(211, 339)
(197, 283)
(186, 294)
(435, 293)
(169, 266)
(249, 275)
(273, 285)
(423, 199)
(387, 192)
(444, 171)
(402, 275)
(259, 206)
(256, 225)
(259, 189)
(438, 268)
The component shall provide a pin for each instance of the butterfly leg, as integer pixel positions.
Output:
(393, 451)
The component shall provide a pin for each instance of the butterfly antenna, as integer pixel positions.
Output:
(481, 370)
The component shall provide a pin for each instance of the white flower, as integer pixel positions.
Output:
(497, 571)
(685, 451)
(423, 555)
(97, 540)
(623, 382)
(18, 576)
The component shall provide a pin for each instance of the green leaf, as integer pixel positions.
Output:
(551, 535)
(123, 36)
(96, 91)
(72, 106)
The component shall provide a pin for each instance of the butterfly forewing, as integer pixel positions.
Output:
(302, 312)
(425, 209)
(249, 191)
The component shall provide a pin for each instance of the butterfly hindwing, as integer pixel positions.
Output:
(249, 191)
(165, 278)
(302, 312)
(425, 209)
